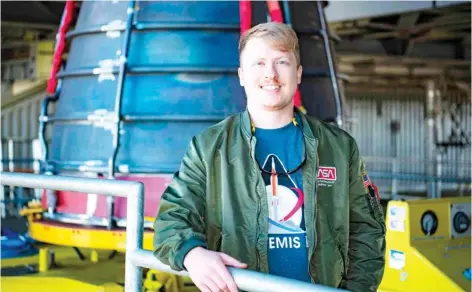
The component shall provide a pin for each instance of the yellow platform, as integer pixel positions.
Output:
(76, 235)
(82, 236)
(70, 273)
(19, 284)
(93, 274)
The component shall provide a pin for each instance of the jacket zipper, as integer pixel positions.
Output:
(253, 148)
(315, 186)
(257, 232)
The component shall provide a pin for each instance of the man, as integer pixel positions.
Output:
(271, 189)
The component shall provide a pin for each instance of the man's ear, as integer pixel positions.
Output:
(299, 74)
(241, 76)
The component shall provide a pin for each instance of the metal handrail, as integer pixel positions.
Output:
(136, 256)
(410, 159)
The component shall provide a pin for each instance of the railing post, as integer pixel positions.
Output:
(430, 133)
(134, 238)
(394, 178)
(11, 168)
(3, 208)
(11, 155)
(438, 174)
(37, 155)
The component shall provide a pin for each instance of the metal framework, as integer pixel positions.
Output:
(136, 256)
(406, 49)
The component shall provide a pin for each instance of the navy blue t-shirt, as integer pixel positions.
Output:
(283, 148)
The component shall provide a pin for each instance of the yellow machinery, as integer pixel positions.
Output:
(60, 270)
(428, 246)
(76, 235)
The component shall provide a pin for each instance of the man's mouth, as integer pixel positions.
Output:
(270, 87)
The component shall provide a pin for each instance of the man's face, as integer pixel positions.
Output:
(269, 76)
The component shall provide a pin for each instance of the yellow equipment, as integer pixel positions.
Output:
(428, 246)
(59, 269)
(75, 235)
(96, 272)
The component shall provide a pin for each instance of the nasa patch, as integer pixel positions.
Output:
(326, 176)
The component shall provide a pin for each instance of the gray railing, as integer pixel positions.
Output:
(395, 175)
(136, 256)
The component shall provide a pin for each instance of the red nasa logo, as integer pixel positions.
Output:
(327, 173)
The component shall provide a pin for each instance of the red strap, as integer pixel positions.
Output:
(275, 11)
(297, 100)
(60, 44)
(376, 191)
(245, 15)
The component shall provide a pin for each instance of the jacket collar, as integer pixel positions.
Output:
(246, 123)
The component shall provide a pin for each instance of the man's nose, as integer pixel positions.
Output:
(270, 72)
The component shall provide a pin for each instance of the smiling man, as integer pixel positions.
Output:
(271, 189)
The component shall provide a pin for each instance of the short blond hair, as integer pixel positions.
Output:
(281, 36)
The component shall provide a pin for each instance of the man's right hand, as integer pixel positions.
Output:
(208, 270)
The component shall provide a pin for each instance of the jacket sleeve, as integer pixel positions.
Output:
(366, 255)
(179, 225)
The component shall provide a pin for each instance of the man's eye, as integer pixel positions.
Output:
(260, 63)
(283, 62)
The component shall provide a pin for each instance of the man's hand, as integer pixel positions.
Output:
(208, 270)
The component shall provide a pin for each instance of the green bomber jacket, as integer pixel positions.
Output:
(217, 200)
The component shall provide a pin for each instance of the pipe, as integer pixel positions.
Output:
(145, 118)
(246, 280)
(118, 102)
(431, 138)
(187, 70)
(71, 183)
(11, 155)
(134, 240)
(119, 90)
(98, 29)
(419, 177)
(43, 119)
(43, 161)
(332, 70)
(439, 134)
(286, 9)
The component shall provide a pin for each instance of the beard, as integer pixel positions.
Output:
(278, 106)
